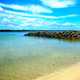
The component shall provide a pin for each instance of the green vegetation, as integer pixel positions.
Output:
(69, 35)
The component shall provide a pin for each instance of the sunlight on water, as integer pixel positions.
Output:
(26, 58)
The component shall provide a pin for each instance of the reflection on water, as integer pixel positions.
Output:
(26, 58)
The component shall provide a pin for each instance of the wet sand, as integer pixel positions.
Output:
(69, 73)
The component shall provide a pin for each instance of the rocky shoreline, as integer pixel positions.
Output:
(72, 35)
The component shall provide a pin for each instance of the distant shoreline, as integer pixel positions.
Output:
(36, 30)
(14, 30)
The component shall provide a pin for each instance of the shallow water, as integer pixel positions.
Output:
(26, 58)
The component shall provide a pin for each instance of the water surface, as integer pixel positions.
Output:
(26, 58)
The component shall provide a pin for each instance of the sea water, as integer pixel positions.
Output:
(26, 58)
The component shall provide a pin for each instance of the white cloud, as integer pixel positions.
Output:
(1, 9)
(68, 24)
(34, 8)
(30, 8)
(39, 15)
(39, 9)
(19, 21)
(58, 3)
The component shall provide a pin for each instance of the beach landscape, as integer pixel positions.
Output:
(36, 58)
(39, 39)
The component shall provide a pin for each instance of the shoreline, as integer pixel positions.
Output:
(69, 73)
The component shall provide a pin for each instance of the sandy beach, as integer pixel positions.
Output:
(70, 73)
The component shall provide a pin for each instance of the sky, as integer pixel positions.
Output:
(40, 14)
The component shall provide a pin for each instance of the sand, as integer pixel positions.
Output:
(69, 73)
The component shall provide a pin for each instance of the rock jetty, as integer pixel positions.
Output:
(59, 35)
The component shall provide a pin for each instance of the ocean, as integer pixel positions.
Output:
(26, 58)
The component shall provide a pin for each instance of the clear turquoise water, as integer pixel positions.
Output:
(26, 58)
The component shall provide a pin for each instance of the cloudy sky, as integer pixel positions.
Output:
(40, 14)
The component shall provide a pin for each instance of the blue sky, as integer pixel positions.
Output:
(40, 14)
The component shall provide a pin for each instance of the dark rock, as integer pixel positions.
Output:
(59, 35)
